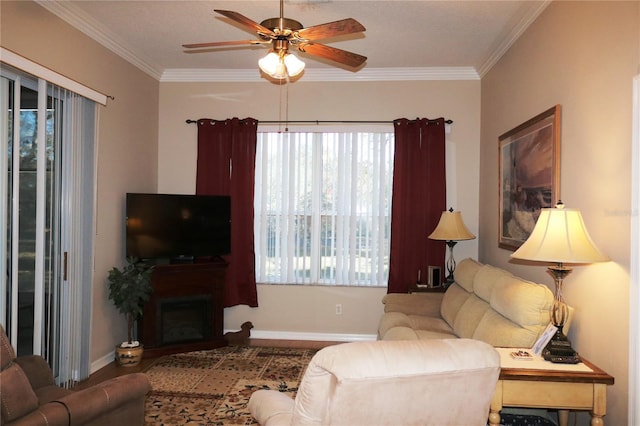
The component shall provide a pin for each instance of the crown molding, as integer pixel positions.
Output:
(316, 75)
(78, 19)
(516, 31)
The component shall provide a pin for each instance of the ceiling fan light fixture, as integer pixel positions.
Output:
(278, 66)
(281, 71)
(269, 63)
(294, 65)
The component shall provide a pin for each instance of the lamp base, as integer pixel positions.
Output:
(559, 350)
(448, 281)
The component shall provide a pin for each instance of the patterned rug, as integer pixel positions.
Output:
(213, 387)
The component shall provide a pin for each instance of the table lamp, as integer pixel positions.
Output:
(451, 229)
(560, 237)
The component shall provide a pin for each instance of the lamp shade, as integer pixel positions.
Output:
(269, 63)
(294, 65)
(560, 237)
(451, 228)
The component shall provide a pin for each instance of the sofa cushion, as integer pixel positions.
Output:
(452, 301)
(466, 270)
(428, 334)
(523, 302)
(486, 280)
(469, 316)
(413, 304)
(399, 326)
(16, 396)
(519, 311)
(420, 322)
(401, 333)
(498, 331)
(391, 320)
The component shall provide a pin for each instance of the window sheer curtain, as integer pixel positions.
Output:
(322, 208)
(419, 197)
(226, 166)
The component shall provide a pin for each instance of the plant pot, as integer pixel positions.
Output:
(129, 357)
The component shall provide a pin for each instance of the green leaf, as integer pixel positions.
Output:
(130, 288)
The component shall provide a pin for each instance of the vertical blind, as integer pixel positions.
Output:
(323, 208)
(48, 165)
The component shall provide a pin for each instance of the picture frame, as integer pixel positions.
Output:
(529, 175)
(433, 276)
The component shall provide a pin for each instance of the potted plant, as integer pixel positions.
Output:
(129, 289)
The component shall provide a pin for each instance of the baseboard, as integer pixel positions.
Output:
(319, 337)
(102, 362)
(267, 335)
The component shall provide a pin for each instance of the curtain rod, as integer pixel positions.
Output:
(326, 122)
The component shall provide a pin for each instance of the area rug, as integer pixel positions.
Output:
(213, 387)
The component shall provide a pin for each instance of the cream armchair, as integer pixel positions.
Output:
(408, 382)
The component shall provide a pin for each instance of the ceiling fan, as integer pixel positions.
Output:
(283, 34)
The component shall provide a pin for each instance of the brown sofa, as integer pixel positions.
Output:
(29, 396)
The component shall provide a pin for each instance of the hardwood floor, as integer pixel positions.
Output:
(113, 370)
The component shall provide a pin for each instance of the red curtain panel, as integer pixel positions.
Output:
(419, 198)
(226, 166)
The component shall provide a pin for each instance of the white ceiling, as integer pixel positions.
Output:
(442, 39)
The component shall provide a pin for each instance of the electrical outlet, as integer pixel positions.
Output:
(338, 309)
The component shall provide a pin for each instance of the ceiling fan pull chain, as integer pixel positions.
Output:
(280, 106)
(286, 124)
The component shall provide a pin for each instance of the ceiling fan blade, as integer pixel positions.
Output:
(241, 19)
(331, 29)
(333, 54)
(223, 43)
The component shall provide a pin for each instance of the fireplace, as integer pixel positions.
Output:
(185, 311)
(184, 319)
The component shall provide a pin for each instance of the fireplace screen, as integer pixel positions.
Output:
(184, 319)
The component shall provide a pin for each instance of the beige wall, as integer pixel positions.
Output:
(578, 54)
(583, 56)
(128, 134)
(311, 309)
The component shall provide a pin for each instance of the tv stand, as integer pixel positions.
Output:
(185, 311)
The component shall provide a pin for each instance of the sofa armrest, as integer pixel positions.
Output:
(113, 401)
(271, 408)
(37, 370)
(49, 414)
(427, 304)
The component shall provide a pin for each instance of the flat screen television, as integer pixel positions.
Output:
(177, 227)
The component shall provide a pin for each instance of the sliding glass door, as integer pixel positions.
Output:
(46, 213)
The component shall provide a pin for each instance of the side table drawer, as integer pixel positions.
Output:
(523, 393)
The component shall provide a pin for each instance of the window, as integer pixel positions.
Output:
(323, 208)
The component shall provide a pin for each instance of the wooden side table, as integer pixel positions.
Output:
(555, 389)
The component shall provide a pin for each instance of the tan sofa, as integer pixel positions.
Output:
(29, 396)
(485, 303)
(436, 382)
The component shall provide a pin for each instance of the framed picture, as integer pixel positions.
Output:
(433, 277)
(529, 163)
